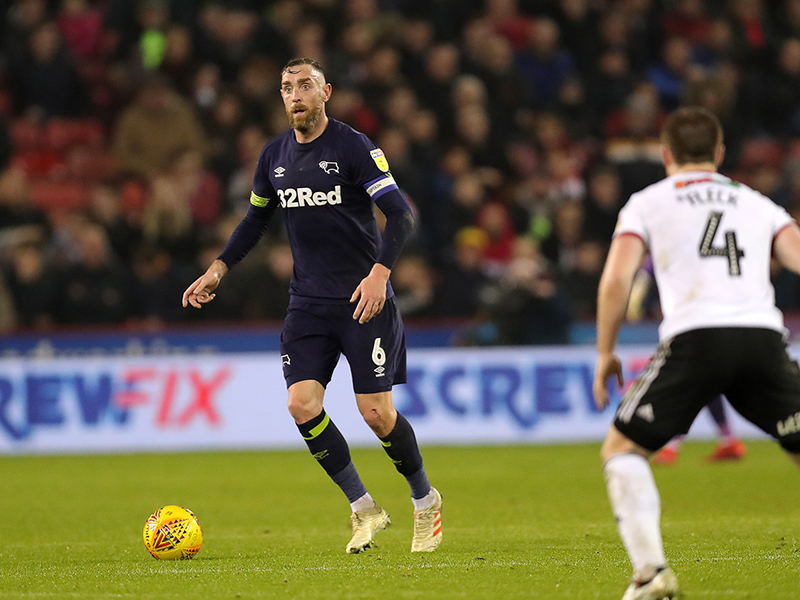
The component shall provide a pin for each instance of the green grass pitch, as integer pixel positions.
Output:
(519, 522)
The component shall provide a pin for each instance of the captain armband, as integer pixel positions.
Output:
(257, 200)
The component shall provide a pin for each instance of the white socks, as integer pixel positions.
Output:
(365, 501)
(426, 501)
(637, 508)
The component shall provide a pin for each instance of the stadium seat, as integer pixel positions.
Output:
(6, 103)
(84, 163)
(49, 195)
(26, 134)
(757, 152)
(66, 133)
(40, 162)
(134, 195)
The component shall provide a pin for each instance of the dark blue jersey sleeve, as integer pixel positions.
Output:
(399, 224)
(371, 171)
(263, 203)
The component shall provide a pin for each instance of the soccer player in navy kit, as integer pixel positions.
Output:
(326, 177)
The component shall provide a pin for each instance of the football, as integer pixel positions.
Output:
(173, 533)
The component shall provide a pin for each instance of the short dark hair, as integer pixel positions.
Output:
(295, 62)
(693, 135)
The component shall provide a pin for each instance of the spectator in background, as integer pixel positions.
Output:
(201, 188)
(495, 220)
(81, 26)
(17, 213)
(580, 283)
(273, 278)
(610, 83)
(97, 288)
(177, 61)
(687, 18)
(780, 94)
(223, 126)
(505, 18)
(561, 246)
(788, 18)
(494, 64)
(545, 64)
(632, 144)
(151, 130)
(167, 220)
(576, 21)
(463, 275)
(752, 33)
(106, 208)
(43, 79)
(349, 107)
(256, 83)
(414, 289)
(526, 306)
(435, 88)
(24, 17)
(717, 92)
(157, 280)
(32, 285)
(6, 145)
(602, 203)
(464, 204)
(671, 73)
(249, 144)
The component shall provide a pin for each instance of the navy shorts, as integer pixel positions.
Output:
(749, 365)
(315, 335)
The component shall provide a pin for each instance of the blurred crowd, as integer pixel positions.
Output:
(130, 130)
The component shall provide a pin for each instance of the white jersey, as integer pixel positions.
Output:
(710, 240)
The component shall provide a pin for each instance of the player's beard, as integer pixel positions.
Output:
(308, 120)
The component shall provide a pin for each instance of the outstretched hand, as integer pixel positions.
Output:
(371, 294)
(606, 366)
(201, 291)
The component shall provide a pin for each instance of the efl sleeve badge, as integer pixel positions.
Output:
(380, 159)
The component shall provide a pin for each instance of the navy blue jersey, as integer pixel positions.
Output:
(326, 189)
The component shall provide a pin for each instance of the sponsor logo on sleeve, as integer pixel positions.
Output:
(380, 159)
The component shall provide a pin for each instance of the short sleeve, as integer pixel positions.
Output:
(631, 221)
(780, 219)
(371, 169)
(263, 192)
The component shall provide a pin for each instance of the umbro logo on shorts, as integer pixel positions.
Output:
(645, 412)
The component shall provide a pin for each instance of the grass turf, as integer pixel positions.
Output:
(519, 522)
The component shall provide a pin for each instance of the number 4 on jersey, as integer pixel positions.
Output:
(730, 250)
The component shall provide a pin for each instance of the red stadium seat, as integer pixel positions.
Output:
(66, 133)
(91, 164)
(27, 134)
(60, 195)
(758, 152)
(40, 162)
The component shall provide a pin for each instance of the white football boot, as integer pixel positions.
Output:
(663, 586)
(366, 523)
(428, 526)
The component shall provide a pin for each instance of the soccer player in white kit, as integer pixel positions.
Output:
(711, 240)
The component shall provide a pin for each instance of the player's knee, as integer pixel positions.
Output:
(379, 419)
(617, 443)
(302, 408)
